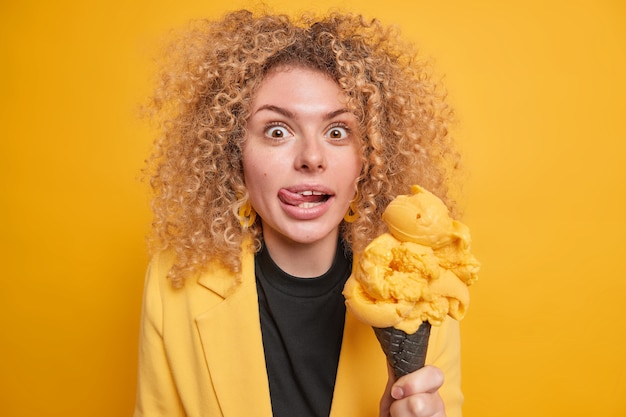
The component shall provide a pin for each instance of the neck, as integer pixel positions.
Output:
(303, 260)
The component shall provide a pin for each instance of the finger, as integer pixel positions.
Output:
(425, 380)
(419, 405)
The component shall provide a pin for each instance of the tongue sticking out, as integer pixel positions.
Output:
(305, 199)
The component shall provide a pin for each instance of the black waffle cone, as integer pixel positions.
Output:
(405, 353)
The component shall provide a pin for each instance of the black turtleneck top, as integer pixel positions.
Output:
(302, 323)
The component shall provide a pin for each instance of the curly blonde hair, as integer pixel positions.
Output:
(202, 104)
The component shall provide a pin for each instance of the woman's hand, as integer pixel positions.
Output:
(414, 395)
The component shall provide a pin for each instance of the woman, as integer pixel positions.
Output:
(283, 142)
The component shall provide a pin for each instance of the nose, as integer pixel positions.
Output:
(311, 156)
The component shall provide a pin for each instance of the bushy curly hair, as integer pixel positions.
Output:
(202, 103)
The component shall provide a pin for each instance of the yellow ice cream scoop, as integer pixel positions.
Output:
(400, 284)
(424, 219)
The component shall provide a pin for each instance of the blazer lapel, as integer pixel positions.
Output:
(361, 374)
(362, 371)
(233, 345)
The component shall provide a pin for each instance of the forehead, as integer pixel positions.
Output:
(295, 86)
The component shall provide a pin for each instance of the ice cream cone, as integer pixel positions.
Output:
(405, 352)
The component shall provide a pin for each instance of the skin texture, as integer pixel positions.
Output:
(301, 139)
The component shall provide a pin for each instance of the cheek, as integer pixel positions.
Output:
(249, 164)
(256, 178)
(262, 165)
(356, 166)
(254, 168)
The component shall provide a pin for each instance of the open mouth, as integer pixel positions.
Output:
(303, 199)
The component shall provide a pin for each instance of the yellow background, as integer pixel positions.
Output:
(540, 93)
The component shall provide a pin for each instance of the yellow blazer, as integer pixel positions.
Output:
(201, 352)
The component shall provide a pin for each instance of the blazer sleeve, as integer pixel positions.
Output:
(156, 391)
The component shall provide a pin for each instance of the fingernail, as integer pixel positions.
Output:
(397, 393)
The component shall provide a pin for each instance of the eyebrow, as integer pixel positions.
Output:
(291, 115)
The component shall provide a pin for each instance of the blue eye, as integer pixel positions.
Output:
(337, 132)
(277, 132)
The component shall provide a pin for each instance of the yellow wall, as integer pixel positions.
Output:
(540, 92)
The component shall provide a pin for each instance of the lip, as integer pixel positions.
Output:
(291, 200)
(298, 188)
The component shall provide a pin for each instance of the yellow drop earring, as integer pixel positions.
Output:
(247, 215)
(352, 214)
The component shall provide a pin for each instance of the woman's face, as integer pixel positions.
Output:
(301, 156)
